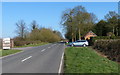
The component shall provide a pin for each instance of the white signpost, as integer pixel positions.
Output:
(6, 43)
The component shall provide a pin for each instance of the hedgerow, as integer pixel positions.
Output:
(111, 48)
(92, 40)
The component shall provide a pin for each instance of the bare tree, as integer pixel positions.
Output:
(34, 25)
(21, 28)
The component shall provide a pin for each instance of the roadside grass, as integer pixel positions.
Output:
(8, 52)
(32, 45)
(86, 60)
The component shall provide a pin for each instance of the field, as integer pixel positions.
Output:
(86, 60)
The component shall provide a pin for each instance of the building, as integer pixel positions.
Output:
(89, 34)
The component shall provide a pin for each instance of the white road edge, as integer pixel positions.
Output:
(61, 63)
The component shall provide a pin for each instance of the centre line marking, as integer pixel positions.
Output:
(48, 47)
(42, 50)
(26, 58)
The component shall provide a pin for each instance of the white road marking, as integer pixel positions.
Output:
(42, 50)
(61, 63)
(49, 47)
(26, 58)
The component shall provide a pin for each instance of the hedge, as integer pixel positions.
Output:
(21, 43)
(106, 37)
(92, 39)
(111, 48)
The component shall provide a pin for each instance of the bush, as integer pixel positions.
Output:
(111, 48)
(20, 42)
(44, 35)
(104, 38)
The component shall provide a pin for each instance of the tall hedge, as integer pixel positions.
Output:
(93, 39)
(111, 48)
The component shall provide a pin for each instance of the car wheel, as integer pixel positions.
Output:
(84, 45)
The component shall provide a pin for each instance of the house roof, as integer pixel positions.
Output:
(90, 33)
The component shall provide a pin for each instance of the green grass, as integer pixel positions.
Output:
(86, 60)
(8, 52)
(32, 45)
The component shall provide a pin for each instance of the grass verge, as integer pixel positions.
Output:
(86, 60)
(8, 52)
(32, 45)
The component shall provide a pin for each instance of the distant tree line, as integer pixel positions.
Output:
(35, 33)
(77, 22)
(108, 27)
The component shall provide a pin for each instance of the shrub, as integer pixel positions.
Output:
(111, 48)
(104, 38)
(20, 42)
(44, 35)
(110, 34)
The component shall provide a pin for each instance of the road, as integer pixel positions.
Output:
(41, 59)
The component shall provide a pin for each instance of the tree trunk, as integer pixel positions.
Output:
(79, 31)
(113, 30)
(72, 34)
(75, 37)
(117, 31)
(72, 37)
(79, 34)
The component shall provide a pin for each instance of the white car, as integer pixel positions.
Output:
(83, 43)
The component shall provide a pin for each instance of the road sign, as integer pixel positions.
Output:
(6, 43)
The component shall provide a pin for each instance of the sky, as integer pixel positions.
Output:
(60, 0)
(46, 14)
(0, 20)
